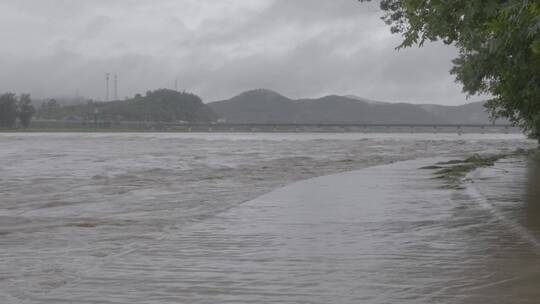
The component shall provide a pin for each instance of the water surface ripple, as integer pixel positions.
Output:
(170, 218)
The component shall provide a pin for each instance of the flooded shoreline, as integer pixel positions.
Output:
(126, 216)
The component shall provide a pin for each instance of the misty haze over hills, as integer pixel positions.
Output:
(265, 106)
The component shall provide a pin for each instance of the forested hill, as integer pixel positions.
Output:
(161, 105)
(264, 106)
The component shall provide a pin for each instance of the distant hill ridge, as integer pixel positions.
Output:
(266, 106)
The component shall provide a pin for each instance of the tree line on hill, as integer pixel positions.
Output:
(161, 105)
(258, 106)
(15, 109)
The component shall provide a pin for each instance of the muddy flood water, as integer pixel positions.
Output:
(265, 218)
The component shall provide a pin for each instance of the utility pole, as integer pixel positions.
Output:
(115, 87)
(107, 76)
(176, 84)
(96, 113)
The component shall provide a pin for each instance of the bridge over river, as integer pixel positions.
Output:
(366, 128)
(278, 127)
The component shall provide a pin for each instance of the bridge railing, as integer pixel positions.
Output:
(280, 127)
(340, 128)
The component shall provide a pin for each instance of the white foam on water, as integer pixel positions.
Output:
(157, 218)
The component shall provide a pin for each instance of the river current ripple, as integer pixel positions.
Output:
(187, 218)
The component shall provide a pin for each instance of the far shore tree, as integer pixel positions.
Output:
(51, 106)
(8, 110)
(25, 110)
(13, 108)
(498, 43)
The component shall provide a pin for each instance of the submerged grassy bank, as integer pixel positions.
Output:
(452, 172)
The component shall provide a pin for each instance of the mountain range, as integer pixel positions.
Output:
(265, 106)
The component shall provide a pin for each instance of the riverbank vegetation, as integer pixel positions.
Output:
(454, 171)
(156, 106)
(15, 110)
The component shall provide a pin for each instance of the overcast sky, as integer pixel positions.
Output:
(216, 49)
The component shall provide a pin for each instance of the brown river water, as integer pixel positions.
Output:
(265, 218)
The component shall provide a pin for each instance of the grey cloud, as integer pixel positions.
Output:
(300, 48)
(97, 26)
